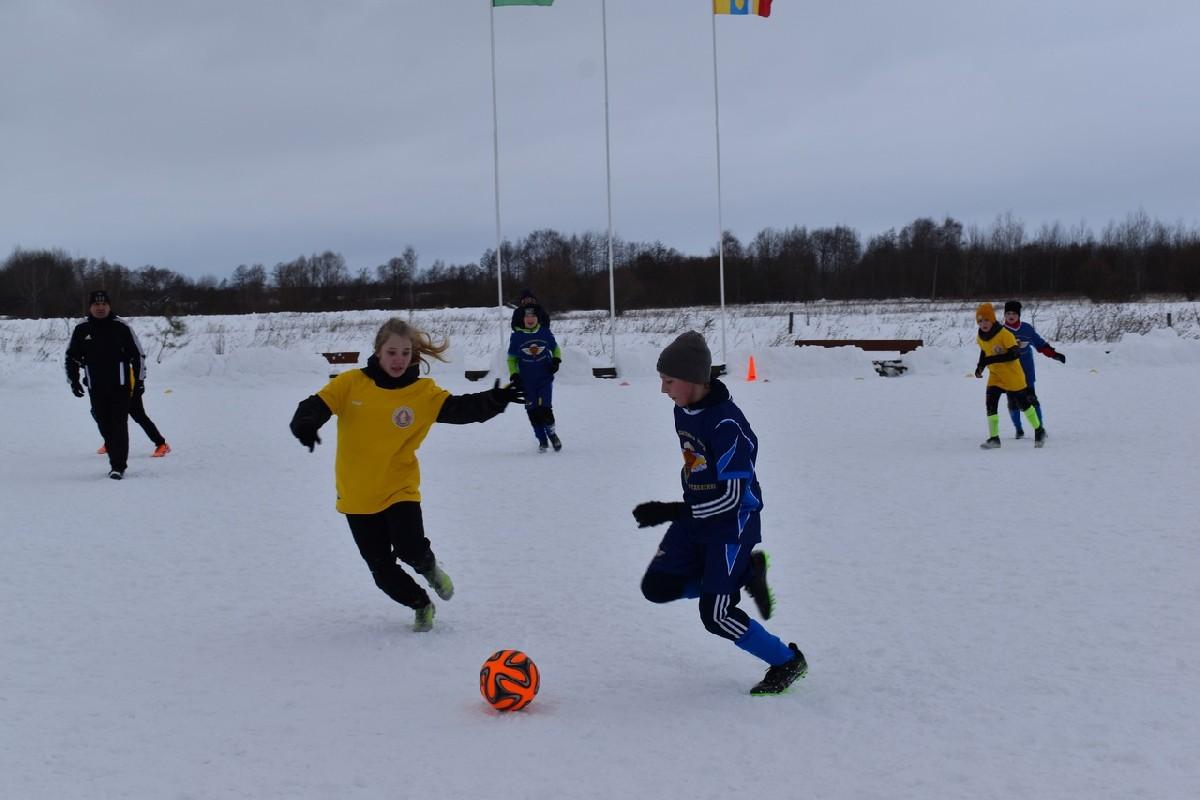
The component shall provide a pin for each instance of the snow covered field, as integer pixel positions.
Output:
(1011, 624)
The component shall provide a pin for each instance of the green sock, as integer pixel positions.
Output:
(1031, 415)
(994, 424)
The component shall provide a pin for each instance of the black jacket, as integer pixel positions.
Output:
(108, 352)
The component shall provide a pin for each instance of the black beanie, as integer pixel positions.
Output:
(98, 296)
(1012, 305)
(687, 358)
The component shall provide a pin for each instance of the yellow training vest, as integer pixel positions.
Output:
(379, 431)
(1008, 375)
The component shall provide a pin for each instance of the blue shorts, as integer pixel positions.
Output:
(690, 548)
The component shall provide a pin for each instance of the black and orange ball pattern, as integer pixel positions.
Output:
(509, 680)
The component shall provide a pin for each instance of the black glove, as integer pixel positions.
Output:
(656, 513)
(512, 393)
(1060, 358)
(77, 389)
(554, 364)
(979, 372)
(306, 434)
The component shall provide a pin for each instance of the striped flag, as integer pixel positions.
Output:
(743, 8)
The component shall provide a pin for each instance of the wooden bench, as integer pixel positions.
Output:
(342, 357)
(874, 345)
(597, 372)
(888, 368)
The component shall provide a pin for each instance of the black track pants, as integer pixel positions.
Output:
(397, 532)
(111, 412)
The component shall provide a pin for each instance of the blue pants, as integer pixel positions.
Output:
(688, 564)
(539, 406)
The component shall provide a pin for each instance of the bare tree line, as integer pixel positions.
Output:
(925, 258)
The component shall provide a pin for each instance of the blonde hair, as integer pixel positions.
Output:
(422, 342)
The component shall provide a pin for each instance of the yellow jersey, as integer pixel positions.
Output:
(1007, 375)
(379, 431)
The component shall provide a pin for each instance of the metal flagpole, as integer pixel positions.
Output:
(496, 182)
(720, 222)
(612, 295)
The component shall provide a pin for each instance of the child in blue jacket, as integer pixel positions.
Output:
(1028, 340)
(533, 358)
(707, 552)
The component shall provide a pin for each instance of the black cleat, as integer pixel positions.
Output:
(1039, 436)
(1020, 433)
(779, 678)
(991, 444)
(756, 584)
(555, 442)
(116, 474)
(543, 447)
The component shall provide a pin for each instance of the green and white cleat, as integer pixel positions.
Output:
(424, 618)
(440, 582)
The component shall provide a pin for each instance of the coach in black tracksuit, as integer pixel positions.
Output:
(106, 349)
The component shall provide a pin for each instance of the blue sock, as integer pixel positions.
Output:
(1015, 413)
(770, 648)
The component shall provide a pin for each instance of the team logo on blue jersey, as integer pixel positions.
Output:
(533, 349)
(402, 417)
(693, 462)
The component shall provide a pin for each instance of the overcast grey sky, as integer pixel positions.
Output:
(198, 136)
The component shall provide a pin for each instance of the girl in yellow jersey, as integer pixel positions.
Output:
(1000, 353)
(384, 412)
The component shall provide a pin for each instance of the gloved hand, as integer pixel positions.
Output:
(656, 513)
(1060, 358)
(979, 372)
(77, 389)
(512, 393)
(554, 364)
(306, 434)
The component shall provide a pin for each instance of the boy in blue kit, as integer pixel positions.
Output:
(707, 551)
(1028, 340)
(534, 357)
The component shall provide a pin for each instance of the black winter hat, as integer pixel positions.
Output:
(1012, 305)
(98, 296)
(687, 358)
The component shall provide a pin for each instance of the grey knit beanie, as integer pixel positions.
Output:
(687, 358)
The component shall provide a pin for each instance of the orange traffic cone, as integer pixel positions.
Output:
(751, 375)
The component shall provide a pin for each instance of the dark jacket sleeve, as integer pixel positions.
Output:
(1011, 354)
(460, 409)
(74, 356)
(133, 352)
(311, 414)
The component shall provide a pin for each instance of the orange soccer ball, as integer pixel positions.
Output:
(509, 680)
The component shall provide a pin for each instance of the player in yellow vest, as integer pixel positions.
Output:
(1000, 353)
(384, 412)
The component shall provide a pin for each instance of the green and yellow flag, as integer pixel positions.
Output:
(498, 3)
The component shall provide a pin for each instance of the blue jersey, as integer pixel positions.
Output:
(1029, 341)
(530, 353)
(719, 482)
